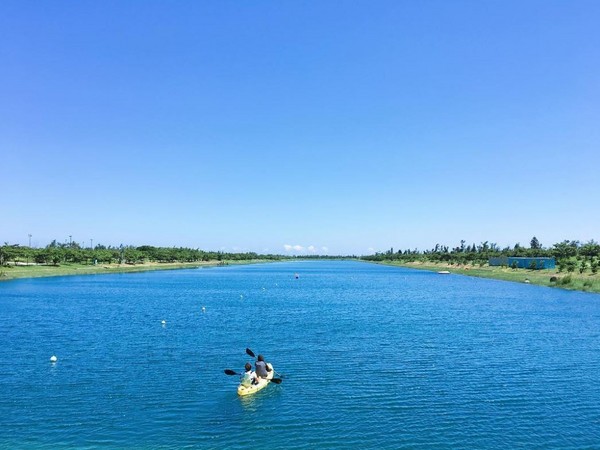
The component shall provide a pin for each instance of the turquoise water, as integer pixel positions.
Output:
(371, 357)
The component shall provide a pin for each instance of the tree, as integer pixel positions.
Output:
(3, 254)
(535, 244)
(590, 249)
(565, 249)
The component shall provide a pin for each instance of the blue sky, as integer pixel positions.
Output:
(292, 126)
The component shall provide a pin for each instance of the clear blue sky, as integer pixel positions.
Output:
(343, 126)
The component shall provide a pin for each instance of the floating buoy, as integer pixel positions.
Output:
(204, 309)
(164, 322)
(53, 359)
(241, 296)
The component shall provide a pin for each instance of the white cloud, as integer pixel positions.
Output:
(302, 249)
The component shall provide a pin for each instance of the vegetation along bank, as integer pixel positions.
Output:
(577, 264)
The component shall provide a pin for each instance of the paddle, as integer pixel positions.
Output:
(272, 380)
(251, 353)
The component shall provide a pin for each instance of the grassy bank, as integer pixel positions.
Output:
(575, 281)
(38, 270)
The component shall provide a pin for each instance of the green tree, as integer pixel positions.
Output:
(590, 249)
(565, 249)
(594, 266)
(3, 254)
(535, 244)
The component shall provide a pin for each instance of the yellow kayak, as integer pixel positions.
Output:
(262, 383)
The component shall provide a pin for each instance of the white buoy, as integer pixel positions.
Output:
(53, 359)
(204, 309)
(241, 296)
(164, 322)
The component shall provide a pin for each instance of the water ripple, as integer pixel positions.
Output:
(371, 357)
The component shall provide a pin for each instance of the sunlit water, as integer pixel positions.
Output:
(370, 356)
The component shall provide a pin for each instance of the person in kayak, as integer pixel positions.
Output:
(249, 378)
(261, 367)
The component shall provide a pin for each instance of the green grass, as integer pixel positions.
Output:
(34, 271)
(574, 281)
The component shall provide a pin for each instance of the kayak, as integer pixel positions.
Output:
(254, 388)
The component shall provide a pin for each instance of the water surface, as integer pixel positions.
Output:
(371, 356)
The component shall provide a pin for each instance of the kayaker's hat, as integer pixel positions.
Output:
(248, 366)
(260, 358)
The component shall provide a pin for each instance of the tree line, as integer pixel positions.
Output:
(57, 253)
(570, 255)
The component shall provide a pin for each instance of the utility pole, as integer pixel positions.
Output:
(29, 240)
(69, 240)
(91, 244)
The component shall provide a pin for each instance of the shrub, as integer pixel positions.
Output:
(565, 280)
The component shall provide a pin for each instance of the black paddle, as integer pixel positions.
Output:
(272, 380)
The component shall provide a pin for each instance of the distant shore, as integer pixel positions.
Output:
(24, 270)
(552, 278)
(573, 281)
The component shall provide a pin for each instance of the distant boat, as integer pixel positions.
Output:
(296, 276)
(443, 272)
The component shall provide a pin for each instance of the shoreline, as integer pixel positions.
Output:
(579, 282)
(20, 271)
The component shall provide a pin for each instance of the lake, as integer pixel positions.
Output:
(370, 356)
